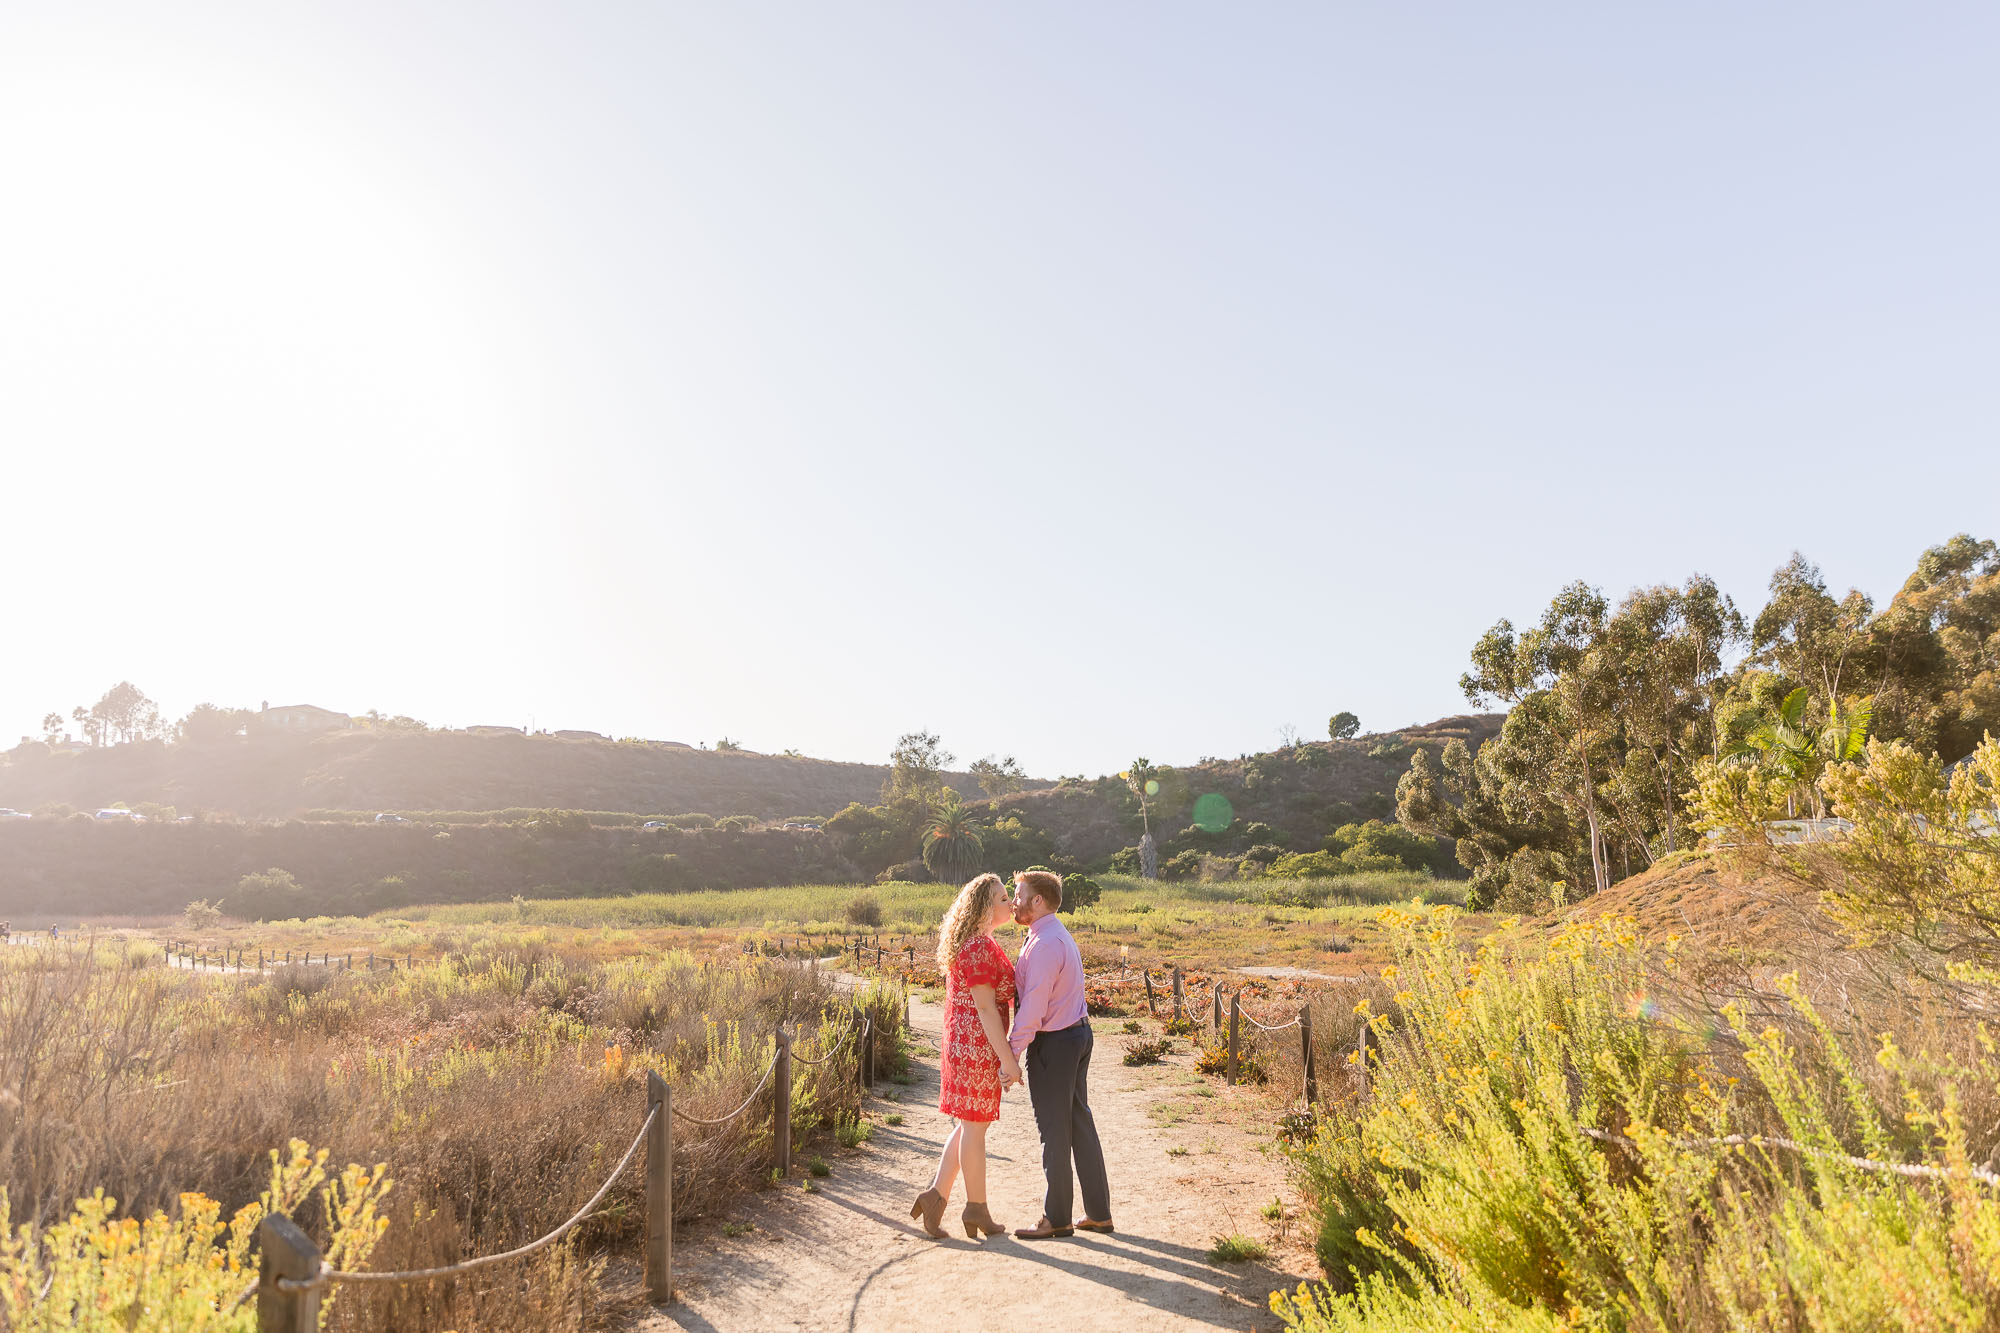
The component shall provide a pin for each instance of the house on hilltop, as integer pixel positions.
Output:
(574, 735)
(496, 731)
(300, 720)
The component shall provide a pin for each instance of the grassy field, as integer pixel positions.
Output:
(1318, 924)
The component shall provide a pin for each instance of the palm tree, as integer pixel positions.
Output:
(1142, 778)
(952, 845)
(1800, 751)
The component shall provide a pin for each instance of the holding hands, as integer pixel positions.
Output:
(1010, 1070)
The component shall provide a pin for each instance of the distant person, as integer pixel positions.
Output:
(55, 932)
(1052, 1029)
(976, 1063)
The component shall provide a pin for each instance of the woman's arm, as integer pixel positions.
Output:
(987, 1001)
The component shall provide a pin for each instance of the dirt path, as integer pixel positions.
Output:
(1188, 1161)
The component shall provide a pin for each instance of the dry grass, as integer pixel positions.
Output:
(500, 1089)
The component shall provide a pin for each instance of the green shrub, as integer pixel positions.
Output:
(1149, 1052)
(863, 909)
(270, 896)
(1182, 866)
(1080, 891)
(1539, 1142)
(1237, 1249)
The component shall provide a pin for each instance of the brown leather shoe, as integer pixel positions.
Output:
(1088, 1225)
(977, 1219)
(1044, 1230)
(930, 1207)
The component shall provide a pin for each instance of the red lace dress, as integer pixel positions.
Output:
(970, 1066)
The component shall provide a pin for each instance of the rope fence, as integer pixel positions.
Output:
(293, 1276)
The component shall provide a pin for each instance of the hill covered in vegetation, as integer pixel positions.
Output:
(1215, 819)
(369, 770)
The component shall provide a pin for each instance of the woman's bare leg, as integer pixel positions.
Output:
(972, 1159)
(948, 1161)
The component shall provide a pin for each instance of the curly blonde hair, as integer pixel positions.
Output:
(966, 917)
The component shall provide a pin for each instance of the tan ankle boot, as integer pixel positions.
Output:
(930, 1207)
(977, 1219)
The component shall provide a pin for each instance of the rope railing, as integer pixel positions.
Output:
(326, 1275)
(723, 1120)
(293, 1274)
(827, 1055)
(1913, 1170)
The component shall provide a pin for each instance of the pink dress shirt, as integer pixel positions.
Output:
(1048, 977)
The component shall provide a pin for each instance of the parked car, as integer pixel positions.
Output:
(390, 819)
(15, 814)
(654, 823)
(112, 812)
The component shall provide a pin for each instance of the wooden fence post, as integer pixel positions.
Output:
(1362, 1045)
(660, 1191)
(1306, 1052)
(285, 1251)
(1177, 992)
(781, 1106)
(1151, 1011)
(1235, 1021)
(860, 1048)
(1215, 1010)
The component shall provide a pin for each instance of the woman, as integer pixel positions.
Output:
(977, 1061)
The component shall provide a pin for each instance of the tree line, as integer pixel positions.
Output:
(1617, 713)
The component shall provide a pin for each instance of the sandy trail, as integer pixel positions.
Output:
(1188, 1161)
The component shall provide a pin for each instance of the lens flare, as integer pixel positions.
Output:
(1213, 813)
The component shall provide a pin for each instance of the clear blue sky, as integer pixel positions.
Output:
(1079, 381)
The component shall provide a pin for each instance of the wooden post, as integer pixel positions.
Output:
(1235, 1021)
(781, 1106)
(1151, 1011)
(660, 1191)
(1177, 992)
(860, 1049)
(1306, 1053)
(1362, 1045)
(285, 1251)
(1215, 1010)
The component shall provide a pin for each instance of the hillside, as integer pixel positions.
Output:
(1715, 910)
(84, 867)
(439, 770)
(1300, 795)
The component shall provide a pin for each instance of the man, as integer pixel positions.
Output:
(1052, 1036)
